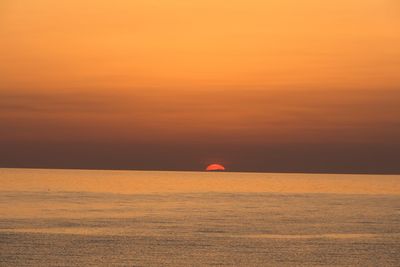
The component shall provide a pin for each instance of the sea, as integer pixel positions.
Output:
(152, 218)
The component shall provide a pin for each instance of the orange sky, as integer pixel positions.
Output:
(204, 72)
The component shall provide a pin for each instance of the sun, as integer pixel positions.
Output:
(215, 167)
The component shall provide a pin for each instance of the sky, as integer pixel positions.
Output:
(256, 85)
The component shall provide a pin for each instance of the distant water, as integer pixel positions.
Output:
(131, 218)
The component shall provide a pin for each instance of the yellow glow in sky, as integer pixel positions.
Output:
(243, 71)
(126, 45)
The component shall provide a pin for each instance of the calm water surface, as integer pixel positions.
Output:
(129, 218)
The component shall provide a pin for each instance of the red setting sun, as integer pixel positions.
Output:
(215, 167)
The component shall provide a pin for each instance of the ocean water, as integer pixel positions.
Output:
(132, 218)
